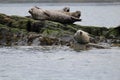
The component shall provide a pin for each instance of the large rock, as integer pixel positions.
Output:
(17, 30)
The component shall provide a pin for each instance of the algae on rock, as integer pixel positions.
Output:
(16, 28)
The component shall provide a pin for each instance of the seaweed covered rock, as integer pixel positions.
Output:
(11, 36)
(17, 30)
(32, 25)
(113, 32)
(113, 35)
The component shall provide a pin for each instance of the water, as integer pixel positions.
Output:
(58, 63)
(94, 14)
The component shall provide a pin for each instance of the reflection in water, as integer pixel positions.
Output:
(58, 63)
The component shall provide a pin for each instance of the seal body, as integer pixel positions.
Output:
(42, 14)
(82, 37)
(66, 10)
(38, 13)
(75, 14)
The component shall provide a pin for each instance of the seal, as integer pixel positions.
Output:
(42, 14)
(65, 9)
(76, 14)
(82, 41)
(82, 37)
(38, 13)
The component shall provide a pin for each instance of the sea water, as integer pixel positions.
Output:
(60, 62)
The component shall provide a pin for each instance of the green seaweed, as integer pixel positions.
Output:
(15, 28)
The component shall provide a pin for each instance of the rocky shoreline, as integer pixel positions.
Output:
(25, 31)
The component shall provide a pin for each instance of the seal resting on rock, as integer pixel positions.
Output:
(38, 13)
(66, 10)
(75, 14)
(42, 14)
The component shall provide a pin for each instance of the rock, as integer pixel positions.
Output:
(113, 32)
(17, 30)
(78, 47)
(10, 36)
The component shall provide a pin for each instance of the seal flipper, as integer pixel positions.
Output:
(75, 19)
(46, 13)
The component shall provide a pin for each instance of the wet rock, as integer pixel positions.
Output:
(17, 30)
(35, 26)
(49, 41)
(113, 33)
(78, 47)
(9, 36)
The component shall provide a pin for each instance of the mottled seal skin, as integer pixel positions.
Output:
(66, 10)
(82, 37)
(38, 13)
(42, 14)
(75, 14)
